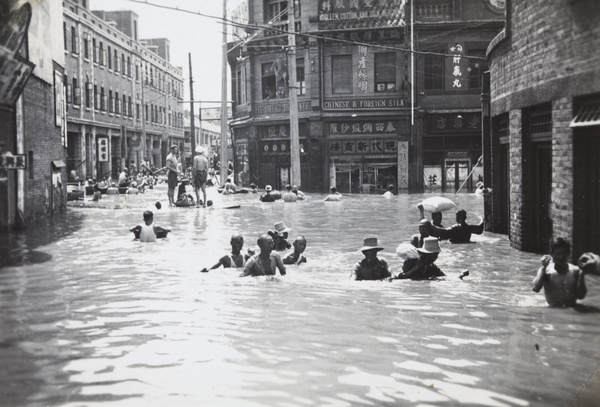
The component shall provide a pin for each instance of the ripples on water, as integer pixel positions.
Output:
(96, 318)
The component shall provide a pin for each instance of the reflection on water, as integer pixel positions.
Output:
(108, 320)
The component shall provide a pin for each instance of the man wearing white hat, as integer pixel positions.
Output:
(371, 267)
(200, 168)
(279, 235)
(425, 269)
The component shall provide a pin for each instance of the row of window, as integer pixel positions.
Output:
(113, 103)
(120, 64)
(274, 80)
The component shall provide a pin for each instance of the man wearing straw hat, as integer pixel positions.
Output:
(279, 236)
(425, 269)
(200, 168)
(371, 267)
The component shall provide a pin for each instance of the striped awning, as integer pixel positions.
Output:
(588, 115)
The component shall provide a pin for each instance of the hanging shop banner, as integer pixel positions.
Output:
(102, 149)
(380, 103)
(403, 165)
(14, 73)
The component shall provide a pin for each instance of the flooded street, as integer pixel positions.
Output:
(92, 317)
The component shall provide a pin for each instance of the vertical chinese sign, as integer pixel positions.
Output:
(403, 165)
(363, 77)
(456, 76)
(102, 149)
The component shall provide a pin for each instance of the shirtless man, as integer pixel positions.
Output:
(173, 172)
(200, 169)
(235, 259)
(563, 283)
(266, 262)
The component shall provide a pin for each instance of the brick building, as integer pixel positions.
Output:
(544, 137)
(366, 118)
(32, 136)
(123, 95)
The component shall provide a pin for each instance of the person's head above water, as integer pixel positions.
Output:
(300, 244)
(461, 216)
(148, 217)
(266, 243)
(268, 188)
(237, 242)
(288, 187)
(333, 190)
(560, 249)
(390, 187)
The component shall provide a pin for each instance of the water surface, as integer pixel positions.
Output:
(92, 317)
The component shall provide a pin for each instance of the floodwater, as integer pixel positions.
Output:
(91, 317)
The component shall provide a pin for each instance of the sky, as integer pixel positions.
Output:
(202, 37)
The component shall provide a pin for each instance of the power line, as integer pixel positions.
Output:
(307, 35)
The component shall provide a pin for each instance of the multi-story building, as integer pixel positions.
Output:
(32, 122)
(123, 95)
(382, 99)
(541, 151)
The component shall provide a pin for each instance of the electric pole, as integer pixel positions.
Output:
(293, 86)
(192, 127)
(223, 168)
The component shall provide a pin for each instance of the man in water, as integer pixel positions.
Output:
(234, 260)
(334, 195)
(148, 232)
(298, 193)
(371, 267)
(390, 192)
(563, 283)
(200, 171)
(266, 262)
(268, 196)
(289, 196)
(172, 174)
(436, 217)
(425, 268)
(296, 256)
(460, 232)
(424, 229)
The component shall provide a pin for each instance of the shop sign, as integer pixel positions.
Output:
(103, 149)
(374, 146)
(456, 78)
(282, 147)
(275, 108)
(457, 154)
(340, 10)
(452, 122)
(363, 127)
(379, 103)
(9, 161)
(278, 131)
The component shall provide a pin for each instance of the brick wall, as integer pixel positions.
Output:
(43, 138)
(562, 173)
(516, 212)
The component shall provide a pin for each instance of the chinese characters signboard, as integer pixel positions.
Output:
(389, 127)
(442, 123)
(457, 78)
(361, 72)
(13, 161)
(370, 146)
(102, 149)
(336, 10)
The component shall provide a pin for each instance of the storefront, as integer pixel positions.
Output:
(367, 156)
(451, 152)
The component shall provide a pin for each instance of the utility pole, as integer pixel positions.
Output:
(144, 147)
(192, 127)
(223, 168)
(293, 86)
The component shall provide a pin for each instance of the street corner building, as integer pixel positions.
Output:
(32, 112)
(387, 92)
(542, 132)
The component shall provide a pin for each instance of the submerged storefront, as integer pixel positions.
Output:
(366, 156)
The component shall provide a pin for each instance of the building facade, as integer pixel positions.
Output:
(32, 121)
(123, 95)
(371, 112)
(542, 144)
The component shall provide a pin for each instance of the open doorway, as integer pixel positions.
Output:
(456, 172)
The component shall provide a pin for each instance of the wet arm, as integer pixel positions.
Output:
(540, 278)
(580, 288)
(280, 265)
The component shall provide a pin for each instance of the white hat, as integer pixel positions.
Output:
(430, 245)
(200, 150)
(280, 227)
